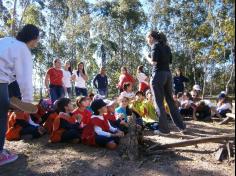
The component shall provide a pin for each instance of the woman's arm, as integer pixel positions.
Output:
(85, 77)
(149, 59)
(95, 82)
(46, 81)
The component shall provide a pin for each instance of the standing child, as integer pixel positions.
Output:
(105, 135)
(66, 127)
(143, 80)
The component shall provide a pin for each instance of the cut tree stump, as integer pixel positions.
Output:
(129, 145)
(193, 142)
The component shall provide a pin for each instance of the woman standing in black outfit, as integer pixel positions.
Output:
(161, 82)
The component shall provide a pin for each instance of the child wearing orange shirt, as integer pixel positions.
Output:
(66, 127)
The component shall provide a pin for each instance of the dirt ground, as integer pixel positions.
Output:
(40, 158)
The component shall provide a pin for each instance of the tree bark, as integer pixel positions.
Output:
(129, 144)
(232, 72)
(204, 80)
(13, 26)
(22, 17)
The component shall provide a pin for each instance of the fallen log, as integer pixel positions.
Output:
(193, 142)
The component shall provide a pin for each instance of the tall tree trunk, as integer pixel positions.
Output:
(211, 80)
(13, 26)
(23, 13)
(232, 72)
(204, 80)
(194, 67)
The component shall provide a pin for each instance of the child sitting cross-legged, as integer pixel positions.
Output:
(128, 91)
(66, 127)
(150, 118)
(137, 107)
(123, 109)
(82, 104)
(105, 135)
(116, 120)
(21, 126)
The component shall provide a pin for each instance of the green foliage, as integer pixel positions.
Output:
(200, 33)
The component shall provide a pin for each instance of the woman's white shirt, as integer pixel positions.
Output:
(79, 80)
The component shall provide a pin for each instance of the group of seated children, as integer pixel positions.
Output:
(191, 105)
(94, 121)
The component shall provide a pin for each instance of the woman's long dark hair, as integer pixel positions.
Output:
(140, 69)
(69, 68)
(160, 37)
(61, 104)
(179, 70)
(81, 63)
(124, 68)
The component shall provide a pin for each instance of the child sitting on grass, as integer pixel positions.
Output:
(123, 109)
(117, 121)
(138, 108)
(105, 135)
(21, 126)
(82, 111)
(128, 91)
(187, 105)
(49, 117)
(150, 118)
(66, 127)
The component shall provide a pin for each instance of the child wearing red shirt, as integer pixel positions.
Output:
(116, 120)
(82, 111)
(105, 135)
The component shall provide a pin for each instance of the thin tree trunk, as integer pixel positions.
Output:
(22, 17)
(194, 66)
(204, 80)
(232, 72)
(13, 26)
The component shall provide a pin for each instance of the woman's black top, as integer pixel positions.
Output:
(162, 55)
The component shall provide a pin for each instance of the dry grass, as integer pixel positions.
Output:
(38, 157)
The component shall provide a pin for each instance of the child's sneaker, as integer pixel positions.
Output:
(22, 106)
(6, 157)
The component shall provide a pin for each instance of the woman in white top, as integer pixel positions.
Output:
(80, 78)
(67, 78)
(143, 79)
(16, 64)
